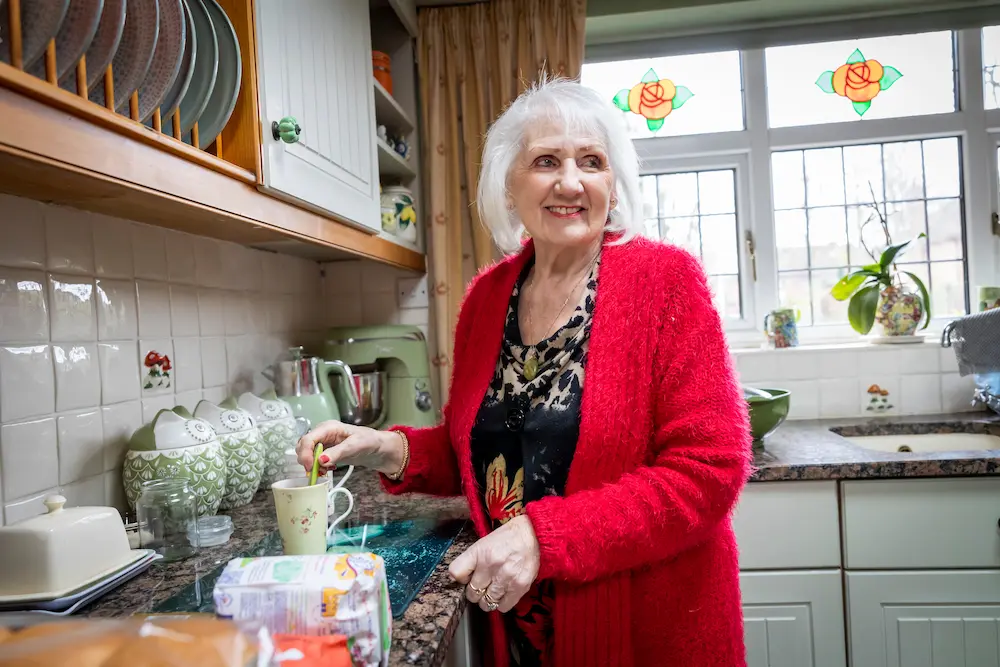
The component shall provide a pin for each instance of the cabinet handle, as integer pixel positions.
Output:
(287, 129)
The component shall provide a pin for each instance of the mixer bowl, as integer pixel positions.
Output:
(370, 410)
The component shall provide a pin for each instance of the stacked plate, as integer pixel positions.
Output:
(178, 54)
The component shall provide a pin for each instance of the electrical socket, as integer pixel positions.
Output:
(411, 292)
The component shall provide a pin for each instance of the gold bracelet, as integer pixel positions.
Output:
(406, 458)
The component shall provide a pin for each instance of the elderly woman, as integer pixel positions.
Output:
(595, 425)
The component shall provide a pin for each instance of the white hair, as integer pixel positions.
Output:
(580, 110)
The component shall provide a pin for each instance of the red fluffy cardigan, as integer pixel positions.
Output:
(641, 546)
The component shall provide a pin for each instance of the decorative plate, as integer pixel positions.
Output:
(102, 46)
(206, 65)
(135, 52)
(74, 36)
(227, 83)
(40, 21)
(166, 58)
(183, 79)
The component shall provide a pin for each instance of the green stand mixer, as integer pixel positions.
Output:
(390, 375)
(304, 383)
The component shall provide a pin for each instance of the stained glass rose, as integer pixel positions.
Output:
(652, 98)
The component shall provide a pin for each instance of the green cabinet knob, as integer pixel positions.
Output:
(287, 129)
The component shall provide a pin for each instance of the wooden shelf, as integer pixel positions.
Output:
(50, 153)
(391, 164)
(388, 112)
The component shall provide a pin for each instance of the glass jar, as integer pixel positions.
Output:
(167, 511)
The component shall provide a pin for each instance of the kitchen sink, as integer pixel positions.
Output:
(927, 442)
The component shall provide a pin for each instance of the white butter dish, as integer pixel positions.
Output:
(53, 554)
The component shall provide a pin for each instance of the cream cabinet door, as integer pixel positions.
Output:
(924, 619)
(794, 619)
(314, 65)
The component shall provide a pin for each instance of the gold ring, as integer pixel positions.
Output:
(478, 591)
(490, 601)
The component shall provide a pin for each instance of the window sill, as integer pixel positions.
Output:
(830, 338)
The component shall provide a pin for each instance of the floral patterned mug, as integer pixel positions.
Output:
(303, 514)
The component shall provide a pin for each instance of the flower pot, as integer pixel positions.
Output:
(899, 313)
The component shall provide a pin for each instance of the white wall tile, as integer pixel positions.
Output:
(27, 382)
(795, 364)
(81, 445)
(187, 364)
(69, 240)
(755, 365)
(22, 228)
(184, 311)
(916, 359)
(342, 278)
(24, 316)
(25, 508)
(87, 492)
(880, 361)
(956, 392)
(78, 380)
(344, 311)
(180, 257)
(239, 369)
(73, 308)
(114, 492)
(30, 457)
(879, 395)
(213, 362)
(117, 313)
(376, 277)
(415, 316)
(150, 406)
(838, 397)
(215, 394)
(838, 363)
(119, 422)
(379, 311)
(149, 252)
(154, 309)
(208, 262)
(211, 312)
(154, 376)
(189, 399)
(804, 402)
(237, 313)
(946, 357)
(119, 371)
(920, 394)
(113, 257)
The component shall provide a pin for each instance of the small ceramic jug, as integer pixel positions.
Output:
(241, 447)
(781, 328)
(278, 431)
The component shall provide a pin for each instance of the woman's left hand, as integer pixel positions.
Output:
(502, 565)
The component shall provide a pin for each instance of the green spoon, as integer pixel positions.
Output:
(314, 475)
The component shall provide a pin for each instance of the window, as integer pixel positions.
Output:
(991, 67)
(834, 82)
(823, 198)
(697, 211)
(702, 93)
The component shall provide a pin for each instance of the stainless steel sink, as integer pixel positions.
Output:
(927, 442)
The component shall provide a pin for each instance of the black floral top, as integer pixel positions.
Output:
(523, 442)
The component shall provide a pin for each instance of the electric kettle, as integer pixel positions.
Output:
(303, 383)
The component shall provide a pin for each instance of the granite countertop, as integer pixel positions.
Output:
(801, 450)
(421, 637)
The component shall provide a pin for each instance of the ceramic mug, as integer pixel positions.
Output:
(781, 328)
(303, 514)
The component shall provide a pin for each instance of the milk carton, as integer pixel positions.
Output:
(345, 594)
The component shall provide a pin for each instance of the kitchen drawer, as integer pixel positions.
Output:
(922, 523)
(782, 525)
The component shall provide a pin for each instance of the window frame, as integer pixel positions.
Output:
(738, 163)
(978, 130)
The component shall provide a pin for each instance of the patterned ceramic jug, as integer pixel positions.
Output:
(278, 431)
(782, 328)
(241, 447)
(176, 445)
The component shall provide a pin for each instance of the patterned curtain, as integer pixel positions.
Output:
(475, 60)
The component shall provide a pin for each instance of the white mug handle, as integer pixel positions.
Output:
(343, 479)
(350, 506)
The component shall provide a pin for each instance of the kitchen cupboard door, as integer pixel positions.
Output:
(314, 64)
(794, 619)
(924, 619)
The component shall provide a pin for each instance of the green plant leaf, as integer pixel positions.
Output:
(861, 107)
(890, 75)
(861, 309)
(621, 99)
(850, 284)
(856, 57)
(654, 124)
(889, 254)
(650, 76)
(825, 82)
(682, 95)
(924, 296)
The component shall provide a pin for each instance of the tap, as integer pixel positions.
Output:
(984, 397)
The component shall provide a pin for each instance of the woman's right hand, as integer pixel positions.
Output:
(345, 445)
